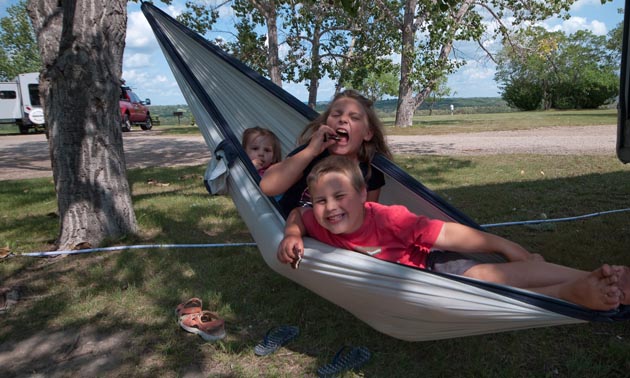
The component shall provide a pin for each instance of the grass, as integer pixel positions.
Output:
(465, 123)
(127, 298)
(447, 124)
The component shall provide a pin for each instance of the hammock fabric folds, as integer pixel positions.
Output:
(226, 97)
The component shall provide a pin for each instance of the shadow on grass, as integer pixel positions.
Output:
(129, 297)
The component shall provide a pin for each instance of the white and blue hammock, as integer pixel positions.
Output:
(226, 97)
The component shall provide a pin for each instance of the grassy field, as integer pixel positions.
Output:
(122, 302)
(457, 123)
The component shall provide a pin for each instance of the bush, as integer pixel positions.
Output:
(523, 94)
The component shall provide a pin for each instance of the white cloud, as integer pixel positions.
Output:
(579, 4)
(139, 33)
(574, 24)
(137, 60)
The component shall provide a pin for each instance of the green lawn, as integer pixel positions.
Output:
(131, 294)
(445, 123)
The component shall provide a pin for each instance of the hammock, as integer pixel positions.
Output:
(226, 97)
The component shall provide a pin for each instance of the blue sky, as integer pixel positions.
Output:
(146, 70)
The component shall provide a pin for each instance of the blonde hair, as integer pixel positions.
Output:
(252, 132)
(368, 148)
(337, 164)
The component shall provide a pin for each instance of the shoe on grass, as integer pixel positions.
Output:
(206, 324)
(191, 306)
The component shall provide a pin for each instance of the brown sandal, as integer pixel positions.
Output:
(206, 324)
(191, 306)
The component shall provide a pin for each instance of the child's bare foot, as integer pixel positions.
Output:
(597, 291)
(623, 282)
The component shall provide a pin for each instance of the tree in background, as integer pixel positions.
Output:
(81, 45)
(322, 39)
(429, 29)
(18, 47)
(437, 94)
(345, 40)
(378, 84)
(557, 71)
(259, 52)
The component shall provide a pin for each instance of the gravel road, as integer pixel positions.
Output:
(26, 156)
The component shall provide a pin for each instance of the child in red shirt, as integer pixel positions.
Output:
(341, 217)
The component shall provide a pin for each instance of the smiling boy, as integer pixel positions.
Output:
(341, 217)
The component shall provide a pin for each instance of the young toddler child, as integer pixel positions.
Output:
(262, 146)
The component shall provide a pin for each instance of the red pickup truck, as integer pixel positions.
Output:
(134, 111)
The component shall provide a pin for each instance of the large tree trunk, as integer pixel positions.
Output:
(407, 103)
(82, 43)
(315, 62)
(272, 39)
(405, 107)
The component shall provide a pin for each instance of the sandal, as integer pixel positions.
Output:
(206, 324)
(276, 338)
(191, 306)
(347, 358)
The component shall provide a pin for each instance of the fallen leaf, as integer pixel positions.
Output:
(82, 245)
(4, 252)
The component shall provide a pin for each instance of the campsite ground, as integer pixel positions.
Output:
(111, 314)
(26, 156)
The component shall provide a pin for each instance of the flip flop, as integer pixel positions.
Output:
(347, 358)
(276, 338)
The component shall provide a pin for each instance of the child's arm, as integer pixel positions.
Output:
(291, 247)
(282, 175)
(460, 238)
(372, 195)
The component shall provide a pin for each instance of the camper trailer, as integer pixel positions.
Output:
(19, 102)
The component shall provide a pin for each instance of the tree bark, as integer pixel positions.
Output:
(268, 11)
(313, 83)
(405, 107)
(272, 39)
(82, 43)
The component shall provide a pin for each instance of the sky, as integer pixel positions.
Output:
(146, 71)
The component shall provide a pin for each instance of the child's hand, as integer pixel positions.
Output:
(257, 163)
(291, 249)
(322, 139)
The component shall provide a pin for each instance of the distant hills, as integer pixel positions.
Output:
(469, 104)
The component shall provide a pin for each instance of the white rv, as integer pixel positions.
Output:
(19, 102)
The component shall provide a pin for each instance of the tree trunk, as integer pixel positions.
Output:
(272, 39)
(315, 61)
(82, 43)
(405, 106)
(407, 103)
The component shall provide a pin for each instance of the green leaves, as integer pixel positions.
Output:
(19, 52)
(577, 71)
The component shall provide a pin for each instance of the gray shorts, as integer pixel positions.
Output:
(449, 262)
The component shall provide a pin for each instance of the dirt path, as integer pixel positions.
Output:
(26, 156)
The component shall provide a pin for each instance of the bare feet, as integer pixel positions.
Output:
(623, 282)
(597, 291)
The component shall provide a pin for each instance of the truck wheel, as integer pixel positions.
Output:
(23, 129)
(147, 125)
(126, 123)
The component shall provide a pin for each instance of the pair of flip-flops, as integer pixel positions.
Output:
(347, 358)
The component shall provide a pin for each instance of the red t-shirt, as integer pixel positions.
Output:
(391, 233)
